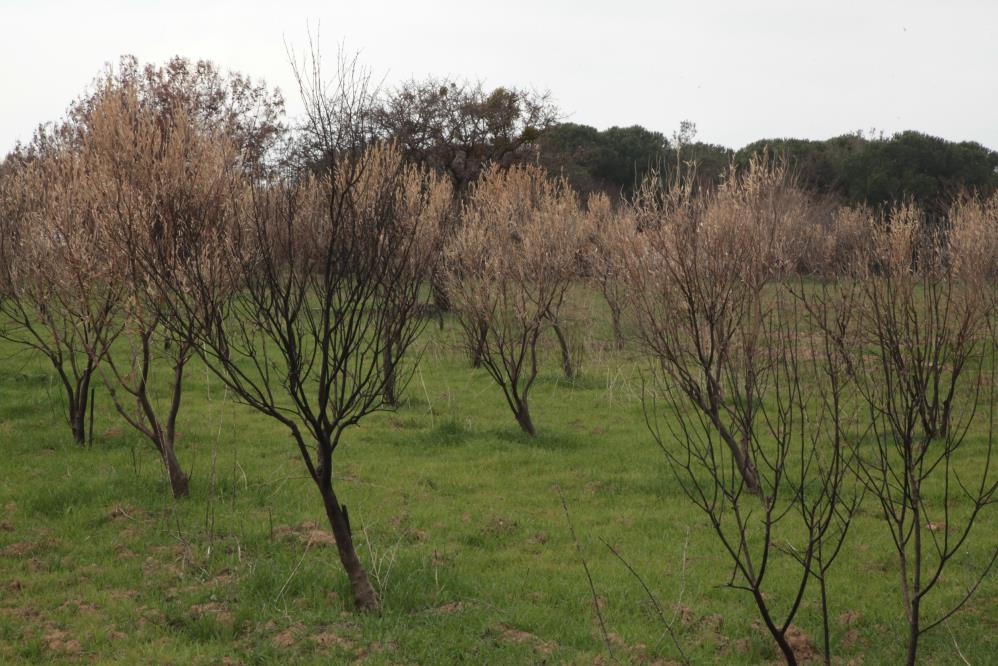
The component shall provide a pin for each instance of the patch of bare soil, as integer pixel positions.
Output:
(329, 639)
(59, 641)
(637, 653)
(19, 549)
(214, 609)
(77, 606)
(288, 637)
(308, 533)
(801, 644)
(516, 636)
(849, 618)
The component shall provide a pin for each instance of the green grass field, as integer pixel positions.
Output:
(458, 517)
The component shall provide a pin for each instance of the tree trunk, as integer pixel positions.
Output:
(740, 453)
(440, 299)
(78, 401)
(566, 356)
(747, 469)
(363, 594)
(913, 632)
(523, 418)
(77, 422)
(778, 636)
(479, 350)
(618, 333)
(389, 396)
(178, 479)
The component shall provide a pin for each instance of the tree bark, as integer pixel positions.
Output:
(78, 401)
(747, 469)
(523, 418)
(778, 636)
(77, 422)
(566, 355)
(178, 479)
(618, 333)
(363, 594)
(389, 395)
(913, 632)
(479, 350)
(440, 299)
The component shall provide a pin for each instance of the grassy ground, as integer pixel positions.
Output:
(459, 519)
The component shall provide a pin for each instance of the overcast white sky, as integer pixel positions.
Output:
(741, 69)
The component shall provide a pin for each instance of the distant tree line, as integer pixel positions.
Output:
(876, 171)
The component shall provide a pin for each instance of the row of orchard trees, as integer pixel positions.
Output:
(156, 223)
(805, 357)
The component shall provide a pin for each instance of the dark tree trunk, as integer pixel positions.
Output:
(747, 469)
(78, 401)
(523, 418)
(389, 395)
(566, 355)
(740, 453)
(618, 333)
(178, 479)
(77, 422)
(479, 349)
(913, 632)
(363, 594)
(440, 299)
(778, 636)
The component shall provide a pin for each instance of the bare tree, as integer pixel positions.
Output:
(698, 271)
(61, 293)
(157, 173)
(508, 268)
(610, 228)
(797, 441)
(307, 304)
(925, 374)
(303, 302)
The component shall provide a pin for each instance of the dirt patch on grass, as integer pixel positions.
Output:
(801, 644)
(308, 533)
(329, 639)
(214, 609)
(19, 549)
(849, 618)
(289, 637)
(514, 636)
(61, 642)
(76, 606)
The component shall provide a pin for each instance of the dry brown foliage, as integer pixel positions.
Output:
(62, 294)
(729, 356)
(973, 239)
(698, 271)
(508, 269)
(611, 231)
(155, 173)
